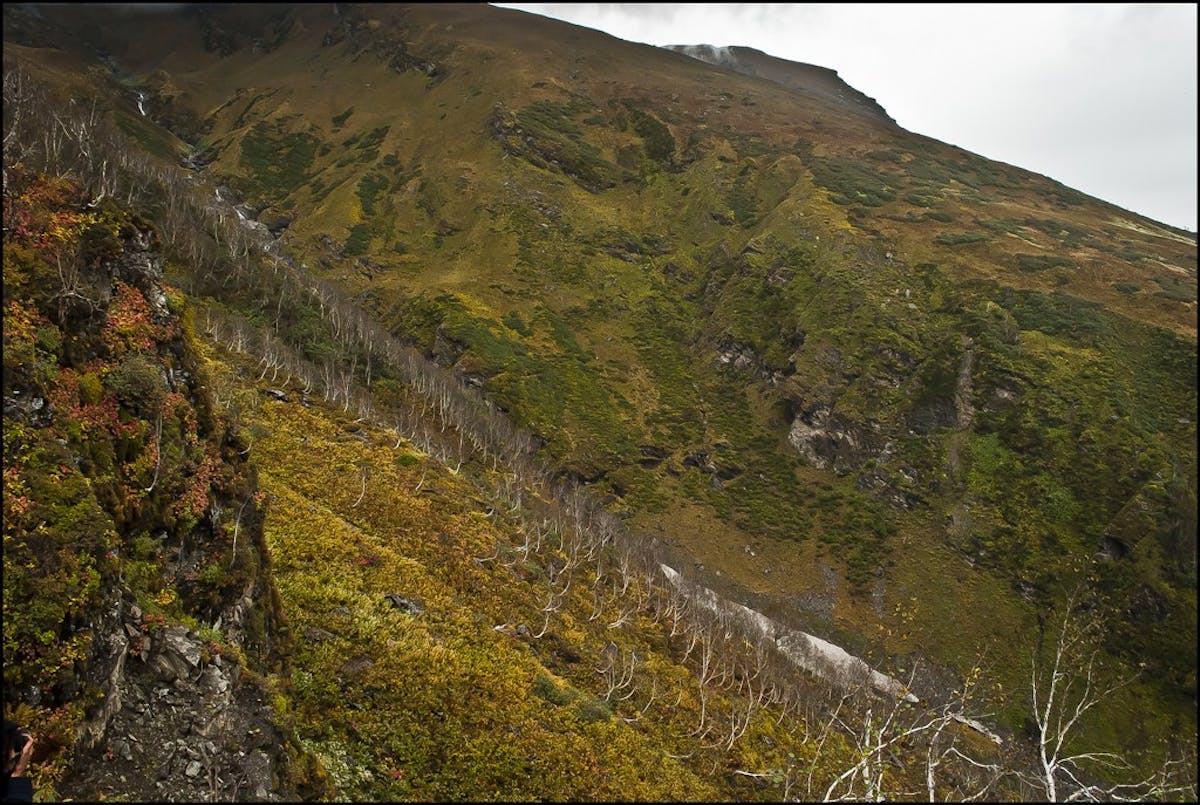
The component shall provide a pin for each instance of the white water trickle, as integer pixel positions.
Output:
(141, 108)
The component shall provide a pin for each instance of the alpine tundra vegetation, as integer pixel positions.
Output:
(446, 403)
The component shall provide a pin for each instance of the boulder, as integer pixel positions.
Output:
(409, 606)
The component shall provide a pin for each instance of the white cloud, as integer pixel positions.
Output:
(1100, 97)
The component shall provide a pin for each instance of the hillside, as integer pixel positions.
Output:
(877, 388)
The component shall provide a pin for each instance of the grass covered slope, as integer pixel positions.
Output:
(857, 373)
(440, 704)
(423, 666)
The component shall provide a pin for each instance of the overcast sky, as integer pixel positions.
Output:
(1100, 97)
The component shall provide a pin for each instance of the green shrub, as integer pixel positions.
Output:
(743, 202)
(90, 389)
(887, 155)
(1130, 254)
(513, 321)
(278, 162)
(212, 573)
(138, 384)
(1180, 289)
(369, 144)
(359, 240)
(544, 687)
(960, 238)
(851, 182)
(549, 138)
(591, 710)
(369, 188)
(660, 145)
(144, 547)
(1030, 263)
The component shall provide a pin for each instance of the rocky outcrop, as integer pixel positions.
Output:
(707, 463)
(409, 606)
(827, 441)
(140, 264)
(743, 358)
(26, 406)
(181, 721)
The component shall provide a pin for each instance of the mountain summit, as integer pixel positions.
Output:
(804, 79)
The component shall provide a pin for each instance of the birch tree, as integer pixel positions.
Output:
(1065, 686)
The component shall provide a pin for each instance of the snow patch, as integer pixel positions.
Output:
(819, 657)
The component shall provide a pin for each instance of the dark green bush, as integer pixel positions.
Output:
(369, 188)
(592, 710)
(544, 687)
(1030, 263)
(852, 182)
(660, 145)
(958, 239)
(359, 240)
(138, 384)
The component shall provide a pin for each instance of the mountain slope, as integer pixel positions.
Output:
(879, 387)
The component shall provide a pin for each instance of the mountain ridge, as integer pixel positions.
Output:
(799, 76)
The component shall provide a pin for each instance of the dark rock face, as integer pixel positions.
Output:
(1146, 606)
(170, 714)
(652, 455)
(140, 264)
(706, 463)
(29, 408)
(357, 666)
(932, 416)
(1112, 548)
(318, 635)
(742, 357)
(276, 224)
(446, 350)
(179, 721)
